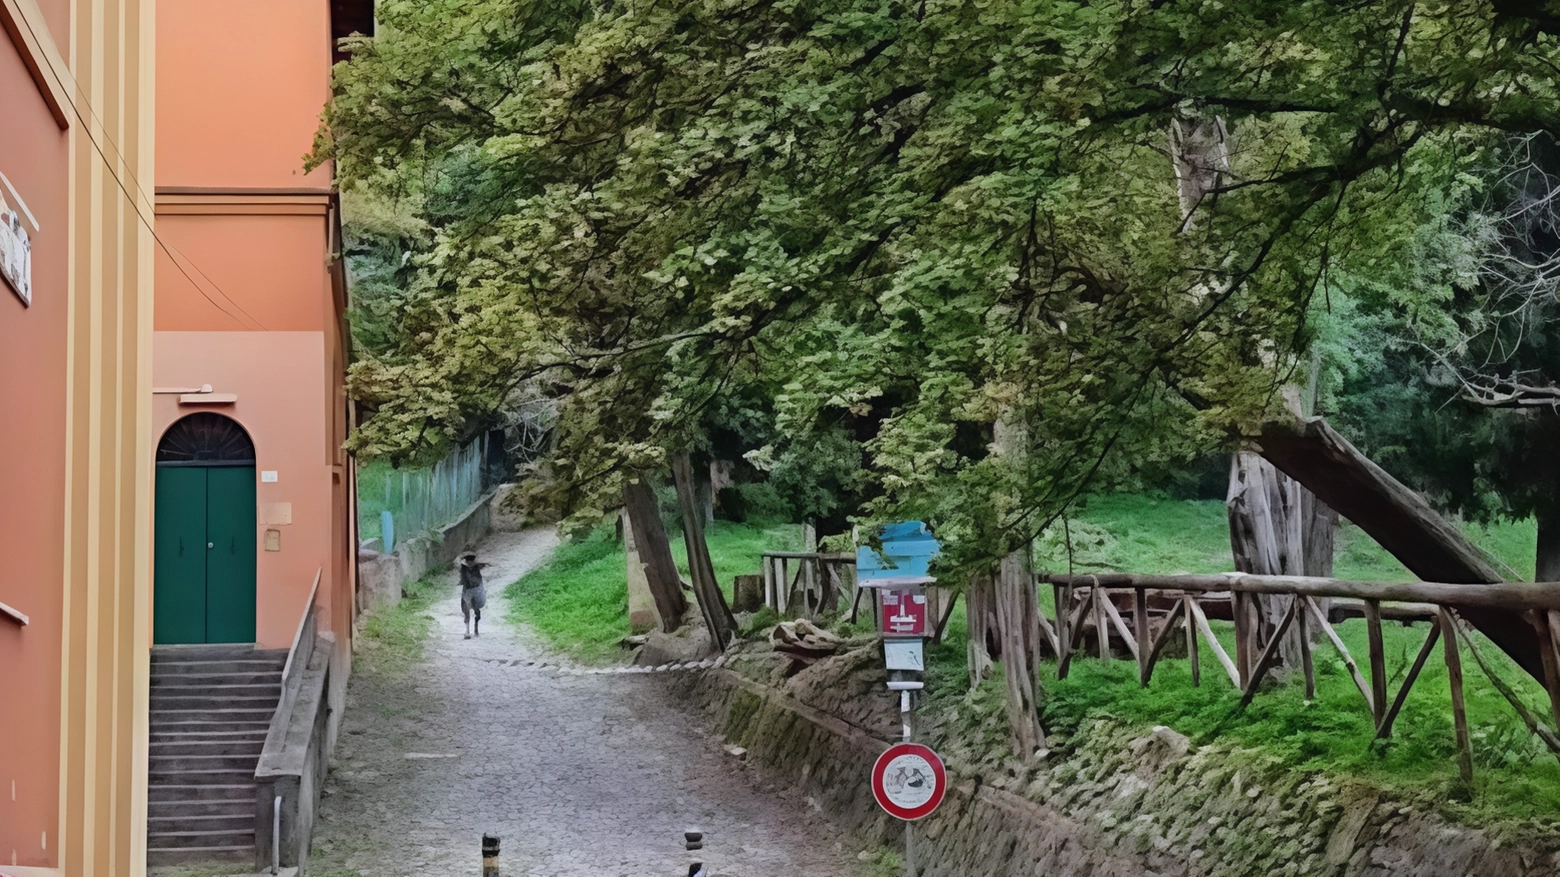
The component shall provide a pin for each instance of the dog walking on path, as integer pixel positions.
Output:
(472, 595)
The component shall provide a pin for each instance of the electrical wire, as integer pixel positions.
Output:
(135, 201)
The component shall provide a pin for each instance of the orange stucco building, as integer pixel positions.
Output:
(151, 157)
(250, 290)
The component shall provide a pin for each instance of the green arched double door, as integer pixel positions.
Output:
(204, 551)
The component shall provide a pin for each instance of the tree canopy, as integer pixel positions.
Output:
(904, 221)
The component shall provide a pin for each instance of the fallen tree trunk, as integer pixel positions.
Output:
(1314, 454)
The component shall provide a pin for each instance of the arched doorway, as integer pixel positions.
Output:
(204, 553)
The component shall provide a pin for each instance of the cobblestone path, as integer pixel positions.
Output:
(578, 774)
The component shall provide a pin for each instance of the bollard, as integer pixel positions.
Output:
(489, 856)
(697, 870)
(694, 840)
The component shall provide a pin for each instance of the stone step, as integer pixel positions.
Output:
(216, 668)
(201, 791)
(247, 699)
(215, 651)
(167, 718)
(234, 808)
(272, 678)
(158, 765)
(229, 822)
(201, 837)
(249, 744)
(192, 855)
(215, 777)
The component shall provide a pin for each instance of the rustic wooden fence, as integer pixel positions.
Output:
(806, 583)
(1090, 602)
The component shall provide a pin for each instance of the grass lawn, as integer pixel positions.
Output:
(578, 602)
(1126, 533)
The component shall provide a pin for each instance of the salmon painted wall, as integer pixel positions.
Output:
(276, 376)
(34, 157)
(240, 86)
(242, 272)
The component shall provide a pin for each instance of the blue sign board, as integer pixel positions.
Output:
(905, 556)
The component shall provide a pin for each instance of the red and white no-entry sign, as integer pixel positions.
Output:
(909, 781)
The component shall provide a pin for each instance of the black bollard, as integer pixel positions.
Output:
(694, 840)
(489, 856)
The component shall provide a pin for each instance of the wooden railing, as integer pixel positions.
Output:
(1089, 602)
(815, 586)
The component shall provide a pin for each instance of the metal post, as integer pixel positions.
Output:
(276, 835)
(907, 712)
(489, 856)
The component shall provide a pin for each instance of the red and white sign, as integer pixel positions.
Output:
(909, 781)
(904, 612)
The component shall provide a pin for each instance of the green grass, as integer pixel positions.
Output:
(393, 638)
(1128, 533)
(578, 601)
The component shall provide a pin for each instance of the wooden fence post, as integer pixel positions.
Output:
(1140, 627)
(1378, 661)
(1191, 641)
(1455, 681)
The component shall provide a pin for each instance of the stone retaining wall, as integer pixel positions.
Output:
(1125, 802)
(382, 578)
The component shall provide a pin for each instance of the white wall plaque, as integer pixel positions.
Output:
(268, 476)
(15, 242)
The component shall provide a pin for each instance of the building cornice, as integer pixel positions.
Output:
(175, 201)
(23, 22)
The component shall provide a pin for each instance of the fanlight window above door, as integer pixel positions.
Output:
(206, 439)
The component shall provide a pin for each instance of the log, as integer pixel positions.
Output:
(1213, 642)
(1269, 654)
(1140, 627)
(1161, 640)
(1384, 728)
(747, 593)
(1378, 661)
(1191, 641)
(1314, 454)
(1306, 662)
(1454, 681)
(1348, 659)
(1534, 725)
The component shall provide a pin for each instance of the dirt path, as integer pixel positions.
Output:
(591, 775)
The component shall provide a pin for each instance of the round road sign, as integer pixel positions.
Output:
(909, 781)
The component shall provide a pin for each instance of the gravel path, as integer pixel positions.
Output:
(579, 774)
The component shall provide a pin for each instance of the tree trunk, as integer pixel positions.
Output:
(1017, 611)
(1547, 567)
(655, 552)
(712, 602)
(1277, 527)
(985, 644)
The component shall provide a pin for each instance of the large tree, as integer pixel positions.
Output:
(1452, 377)
(930, 212)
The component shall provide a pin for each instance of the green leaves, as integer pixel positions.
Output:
(901, 222)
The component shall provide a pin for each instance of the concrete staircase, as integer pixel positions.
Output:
(210, 709)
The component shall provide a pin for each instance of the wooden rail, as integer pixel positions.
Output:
(1081, 597)
(816, 584)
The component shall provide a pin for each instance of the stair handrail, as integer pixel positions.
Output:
(303, 623)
